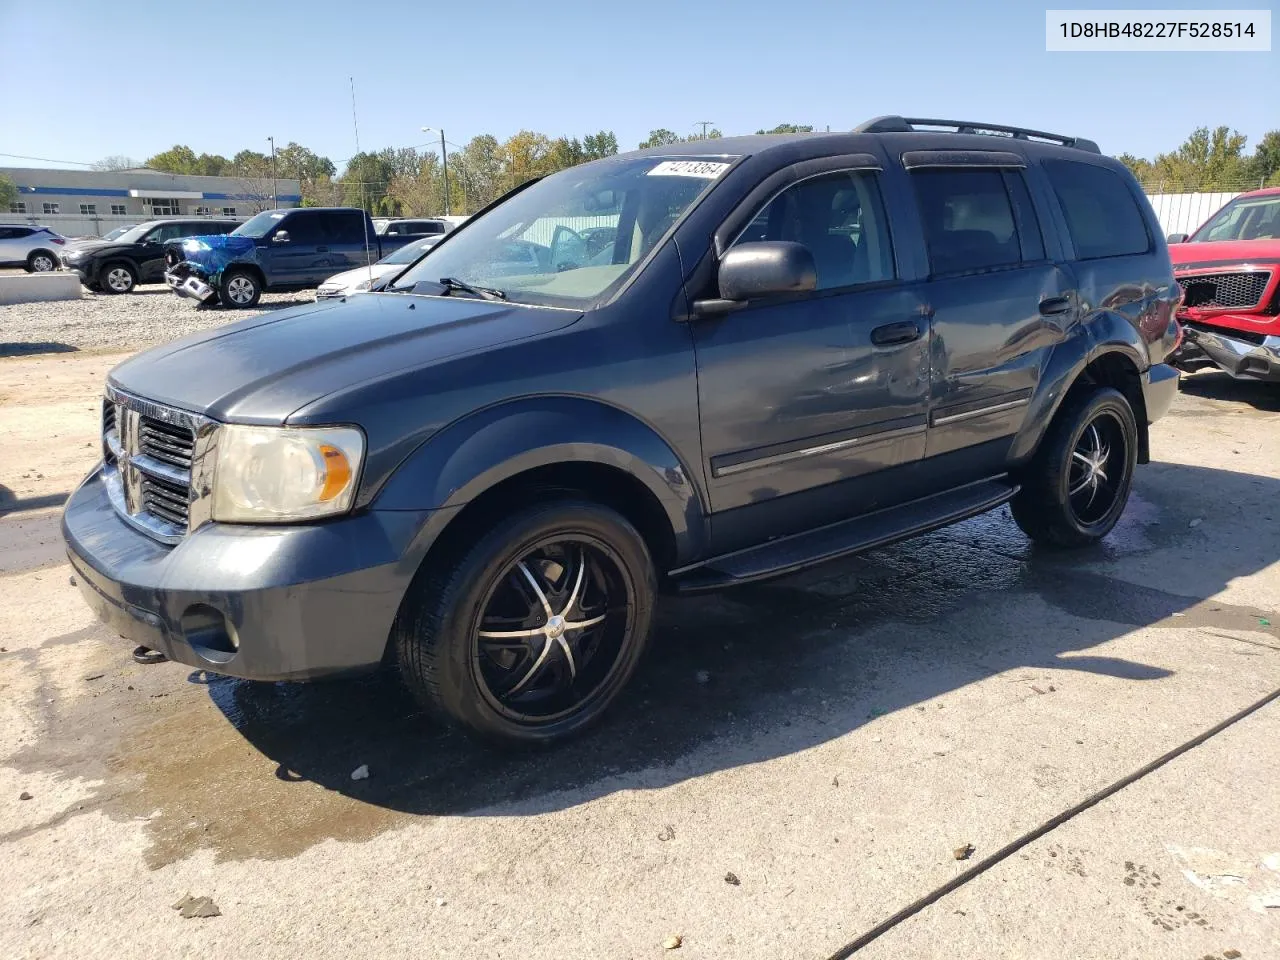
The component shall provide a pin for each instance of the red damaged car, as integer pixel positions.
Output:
(1229, 271)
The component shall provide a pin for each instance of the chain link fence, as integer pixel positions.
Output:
(1181, 206)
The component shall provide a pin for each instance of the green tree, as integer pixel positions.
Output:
(564, 153)
(789, 128)
(482, 171)
(8, 193)
(1264, 165)
(366, 180)
(526, 155)
(596, 146)
(661, 137)
(182, 159)
(296, 162)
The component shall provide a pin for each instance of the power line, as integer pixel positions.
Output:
(19, 156)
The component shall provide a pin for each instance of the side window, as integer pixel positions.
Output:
(967, 218)
(344, 227)
(304, 228)
(1103, 217)
(840, 218)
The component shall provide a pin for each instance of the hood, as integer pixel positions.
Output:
(349, 278)
(263, 369)
(90, 247)
(1190, 255)
(214, 252)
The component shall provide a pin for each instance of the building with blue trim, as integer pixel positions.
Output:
(91, 203)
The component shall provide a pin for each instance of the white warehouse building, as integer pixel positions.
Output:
(91, 203)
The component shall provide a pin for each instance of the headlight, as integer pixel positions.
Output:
(279, 474)
(72, 255)
(363, 285)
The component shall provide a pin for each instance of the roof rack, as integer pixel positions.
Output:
(893, 124)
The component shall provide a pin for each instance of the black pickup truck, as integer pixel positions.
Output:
(292, 249)
(686, 368)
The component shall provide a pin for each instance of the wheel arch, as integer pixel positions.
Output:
(493, 460)
(32, 254)
(1112, 355)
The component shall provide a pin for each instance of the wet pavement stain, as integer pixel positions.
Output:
(258, 770)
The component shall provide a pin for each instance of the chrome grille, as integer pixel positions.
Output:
(1243, 289)
(148, 452)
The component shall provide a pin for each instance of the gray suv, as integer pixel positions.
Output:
(681, 369)
(34, 249)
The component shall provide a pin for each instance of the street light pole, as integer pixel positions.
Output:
(275, 199)
(444, 160)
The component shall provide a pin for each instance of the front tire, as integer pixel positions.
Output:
(239, 290)
(117, 278)
(1076, 487)
(530, 634)
(41, 261)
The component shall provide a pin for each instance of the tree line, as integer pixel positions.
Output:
(1210, 161)
(410, 181)
(407, 181)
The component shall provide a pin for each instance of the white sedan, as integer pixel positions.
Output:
(360, 279)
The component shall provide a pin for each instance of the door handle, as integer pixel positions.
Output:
(894, 333)
(322, 249)
(1055, 306)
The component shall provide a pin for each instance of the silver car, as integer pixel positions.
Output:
(34, 249)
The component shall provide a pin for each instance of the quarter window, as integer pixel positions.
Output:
(51, 207)
(1102, 214)
(118, 210)
(839, 217)
(968, 220)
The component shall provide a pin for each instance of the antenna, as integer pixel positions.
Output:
(364, 200)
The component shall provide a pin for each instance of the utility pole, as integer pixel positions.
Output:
(444, 160)
(703, 124)
(275, 199)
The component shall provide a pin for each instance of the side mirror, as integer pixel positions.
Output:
(754, 270)
(282, 236)
(1177, 238)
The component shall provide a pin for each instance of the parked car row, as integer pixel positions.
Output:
(293, 249)
(136, 255)
(1229, 272)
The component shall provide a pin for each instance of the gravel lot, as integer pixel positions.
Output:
(103, 322)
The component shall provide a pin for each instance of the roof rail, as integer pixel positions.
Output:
(893, 124)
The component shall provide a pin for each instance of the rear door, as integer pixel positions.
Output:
(1000, 299)
(14, 244)
(347, 246)
(810, 402)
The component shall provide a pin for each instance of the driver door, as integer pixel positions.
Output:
(813, 404)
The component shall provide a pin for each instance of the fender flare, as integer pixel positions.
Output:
(1104, 333)
(460, 462)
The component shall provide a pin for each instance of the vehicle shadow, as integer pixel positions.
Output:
(1217, 385)
(761, 672)
(34, 348)
(12, 503)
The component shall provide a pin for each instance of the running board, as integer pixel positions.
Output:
(799, 550)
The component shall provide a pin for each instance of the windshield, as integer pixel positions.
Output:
(569, 238)
(117, 233)
(260, 225)
(1256, 218)
(134, 234)
(410, 251)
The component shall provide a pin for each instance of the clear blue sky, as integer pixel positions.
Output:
(82, 80)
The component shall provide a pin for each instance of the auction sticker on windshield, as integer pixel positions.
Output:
(706, 169)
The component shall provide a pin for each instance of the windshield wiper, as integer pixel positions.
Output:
(484, 293)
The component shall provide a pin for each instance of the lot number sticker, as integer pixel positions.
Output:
(706, 169)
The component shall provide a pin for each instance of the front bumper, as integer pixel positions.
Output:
(1245, 359)
(261, 602)
(1159, 387)
(189, 286)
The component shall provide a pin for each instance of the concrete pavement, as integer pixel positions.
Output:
(861, 721)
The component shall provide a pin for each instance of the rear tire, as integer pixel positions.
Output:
(531, 631)
(1076, 487)
(41, 261)
(117, 277)
(239, 290)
